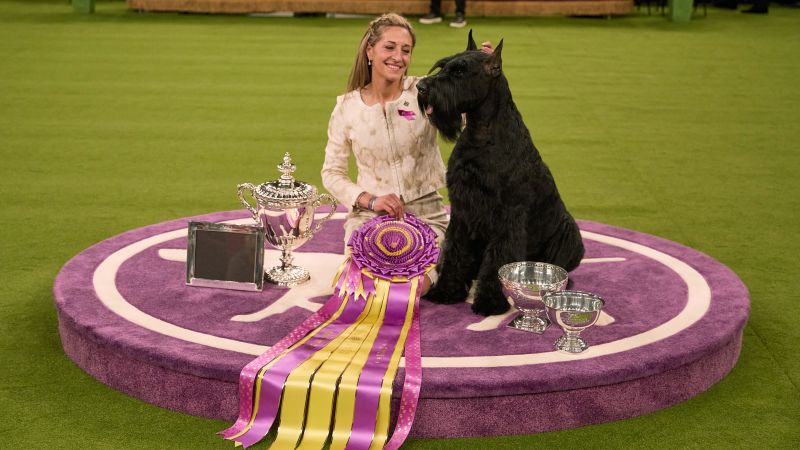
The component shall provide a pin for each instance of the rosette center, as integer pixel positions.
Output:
(391, 248)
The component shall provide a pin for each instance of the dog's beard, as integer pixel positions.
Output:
(443, 115)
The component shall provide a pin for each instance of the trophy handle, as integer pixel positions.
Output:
(326, 198)
(247, 187)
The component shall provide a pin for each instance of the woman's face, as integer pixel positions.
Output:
(391, 55)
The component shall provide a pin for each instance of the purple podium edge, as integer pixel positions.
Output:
(436, 417)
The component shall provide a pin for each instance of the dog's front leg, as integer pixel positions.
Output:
(457, 267)
(489, 298)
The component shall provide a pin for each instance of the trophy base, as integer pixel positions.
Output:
(287, 276)
(530, 324)
(573, 345)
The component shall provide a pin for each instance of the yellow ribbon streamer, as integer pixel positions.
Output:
(324, 388)
(339, 272)
(346, 398)
(296, 388)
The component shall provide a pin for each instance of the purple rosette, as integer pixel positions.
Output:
(390, 248)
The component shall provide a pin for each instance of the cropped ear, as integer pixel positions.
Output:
(471, 42)
(494, 65)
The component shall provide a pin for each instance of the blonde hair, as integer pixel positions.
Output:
(360, 74)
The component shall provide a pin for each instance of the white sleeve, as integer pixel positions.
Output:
(335, 176)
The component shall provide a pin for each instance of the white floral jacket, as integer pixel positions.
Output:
(395, 149)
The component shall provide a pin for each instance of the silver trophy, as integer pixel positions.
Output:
(286, 211)
(524, 283)
(574, 311)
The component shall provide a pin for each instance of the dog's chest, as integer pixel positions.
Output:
(481, 178)
(470, 176)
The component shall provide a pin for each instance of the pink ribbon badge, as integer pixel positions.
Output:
(406, 114)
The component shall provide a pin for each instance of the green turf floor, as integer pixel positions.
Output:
(119, 120)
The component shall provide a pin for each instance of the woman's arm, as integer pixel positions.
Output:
(335, 175)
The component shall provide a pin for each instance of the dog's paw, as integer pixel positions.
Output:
(490, 306)
(445, 295)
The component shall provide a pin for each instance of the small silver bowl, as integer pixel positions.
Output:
(524, 283)
(574, 311)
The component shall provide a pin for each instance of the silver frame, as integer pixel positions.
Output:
(258, 276)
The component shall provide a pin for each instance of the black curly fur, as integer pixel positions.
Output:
(505, 204)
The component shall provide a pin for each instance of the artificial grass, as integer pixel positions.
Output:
(118, 120)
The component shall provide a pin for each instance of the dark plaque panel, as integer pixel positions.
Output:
(225, 256)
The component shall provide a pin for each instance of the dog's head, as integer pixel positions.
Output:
(458, 84)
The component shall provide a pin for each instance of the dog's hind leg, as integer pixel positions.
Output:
(565, 249)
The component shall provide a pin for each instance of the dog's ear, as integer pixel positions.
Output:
(494, 65)
(471, 42)
(439, 65)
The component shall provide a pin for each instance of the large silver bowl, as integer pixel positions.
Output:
(524, 283)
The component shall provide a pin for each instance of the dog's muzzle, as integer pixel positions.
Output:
(422, 87)
(422, 97)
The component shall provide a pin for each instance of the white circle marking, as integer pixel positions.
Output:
(698, 302)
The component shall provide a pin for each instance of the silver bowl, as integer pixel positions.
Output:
(574, 311)
(524, 283)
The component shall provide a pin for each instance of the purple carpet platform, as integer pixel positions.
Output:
(671, 328)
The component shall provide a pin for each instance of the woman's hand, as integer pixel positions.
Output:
(390, 204)
(486, 47)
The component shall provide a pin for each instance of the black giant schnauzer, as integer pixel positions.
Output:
(505, 204)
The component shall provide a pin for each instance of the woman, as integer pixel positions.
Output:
(378, 120)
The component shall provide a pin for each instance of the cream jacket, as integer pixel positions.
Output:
(395, 149)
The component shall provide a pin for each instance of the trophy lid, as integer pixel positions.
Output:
(286, 191)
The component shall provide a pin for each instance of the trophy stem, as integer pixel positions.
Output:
(286, 257)
(287, 275)
(530, 321)
(571, 342)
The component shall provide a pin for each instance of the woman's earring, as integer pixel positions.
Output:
(369, 62)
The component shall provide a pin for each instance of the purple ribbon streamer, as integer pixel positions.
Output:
(248, 374)
(369, 383)
(424, 252)
(411, 385)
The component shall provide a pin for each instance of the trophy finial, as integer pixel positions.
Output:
(287, 168)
